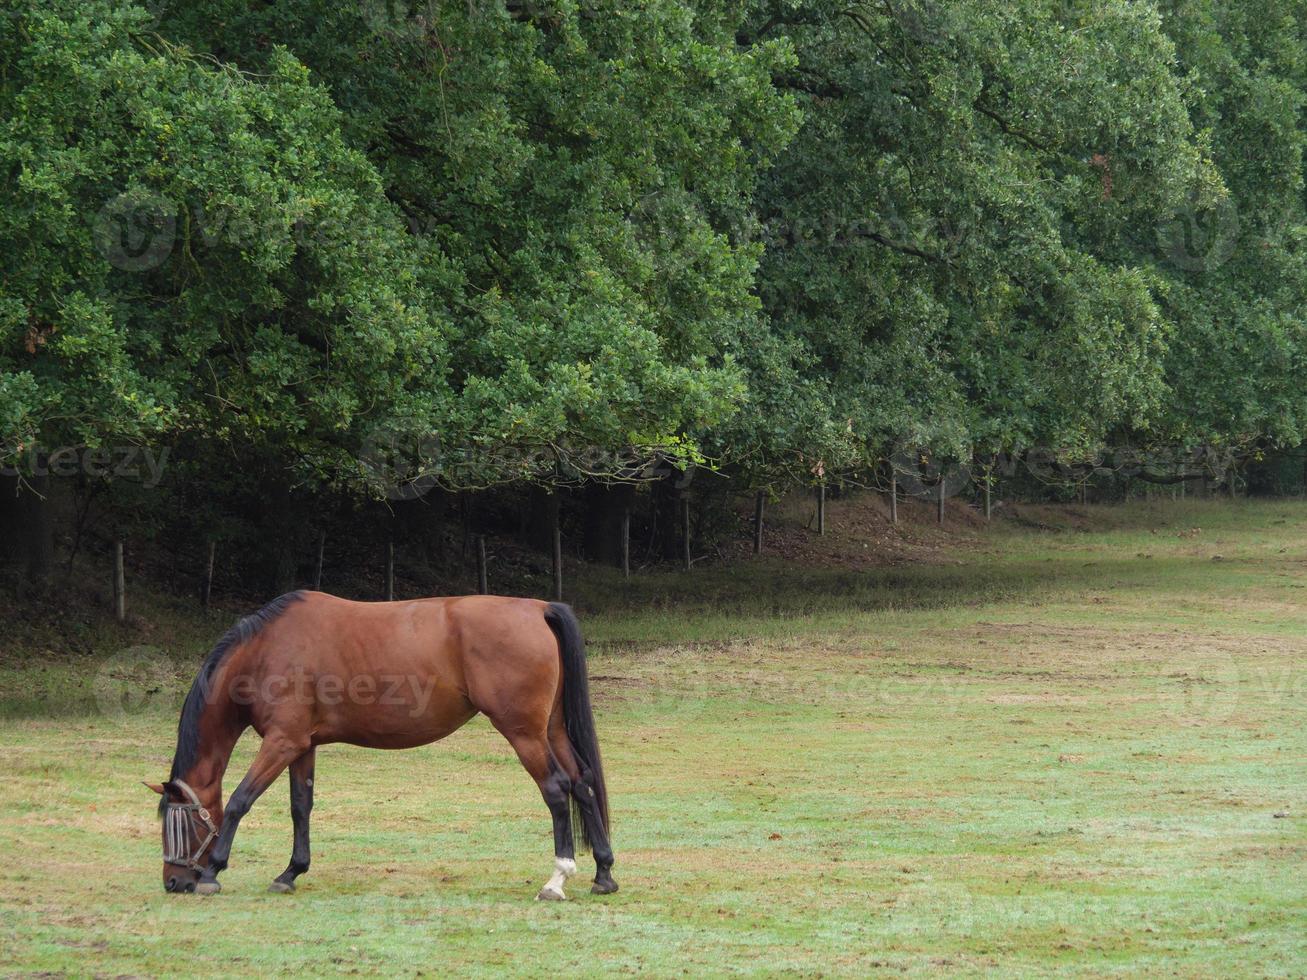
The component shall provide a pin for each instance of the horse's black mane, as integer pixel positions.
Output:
(188, 728)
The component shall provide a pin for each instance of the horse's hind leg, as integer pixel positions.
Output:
(301, 805)
(555, 787)
(587, 807)
(274, 755)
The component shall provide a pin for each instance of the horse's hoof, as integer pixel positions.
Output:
(281, 888)
(548, 894)
(208, 888)
(603, 887)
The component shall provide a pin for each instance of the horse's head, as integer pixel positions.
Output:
(190, 827)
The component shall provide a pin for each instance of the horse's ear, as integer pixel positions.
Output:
(154, 786)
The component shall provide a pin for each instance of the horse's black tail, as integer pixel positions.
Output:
(577, 713)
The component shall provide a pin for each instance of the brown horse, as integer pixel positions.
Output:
(309, 669)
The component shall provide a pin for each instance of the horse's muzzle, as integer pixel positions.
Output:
(175, 884)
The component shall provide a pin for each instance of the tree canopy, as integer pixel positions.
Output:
(513, 239)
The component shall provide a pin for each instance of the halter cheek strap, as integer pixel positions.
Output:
(179, 829)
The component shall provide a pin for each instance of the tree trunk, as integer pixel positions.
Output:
(685, 532)
(279, 538)
(390, 571)
(821, 509)
(206, 586)
(11, 524)
(27, 529)
(626, 543)
(557, 530)
(542, 512)
(606, 507)
(759, 506)
(119, 584)
(893, 497)
(665, 519)
(317, 567)
(465, 520)
(482, 585)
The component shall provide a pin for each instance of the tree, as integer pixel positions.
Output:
(577, 181)
(187, 248)
(1236, 279)
(949, 259)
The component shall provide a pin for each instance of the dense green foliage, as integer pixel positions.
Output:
(516, 240)
(1237, 294)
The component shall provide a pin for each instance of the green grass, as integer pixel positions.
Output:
(1064, 751)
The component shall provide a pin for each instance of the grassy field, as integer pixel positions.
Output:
(1075, 745)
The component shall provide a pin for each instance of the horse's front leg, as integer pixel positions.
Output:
(277, 752)
(301, 805)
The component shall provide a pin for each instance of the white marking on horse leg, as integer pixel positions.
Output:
(564, 868)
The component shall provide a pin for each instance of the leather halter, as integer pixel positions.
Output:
(180, 829)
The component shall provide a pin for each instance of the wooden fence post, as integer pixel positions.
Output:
(989, 508)
(482, 584)
(893, 496)
(390, 570)
(685, 532)
(206, 590)
(557, 533)
(939, 514)
(626, 542)
(757, 522)
(317, 569)
(119, 584)
(465, 517)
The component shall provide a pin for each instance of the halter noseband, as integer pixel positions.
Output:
(179, 829)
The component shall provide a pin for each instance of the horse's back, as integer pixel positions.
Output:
(404, 673)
